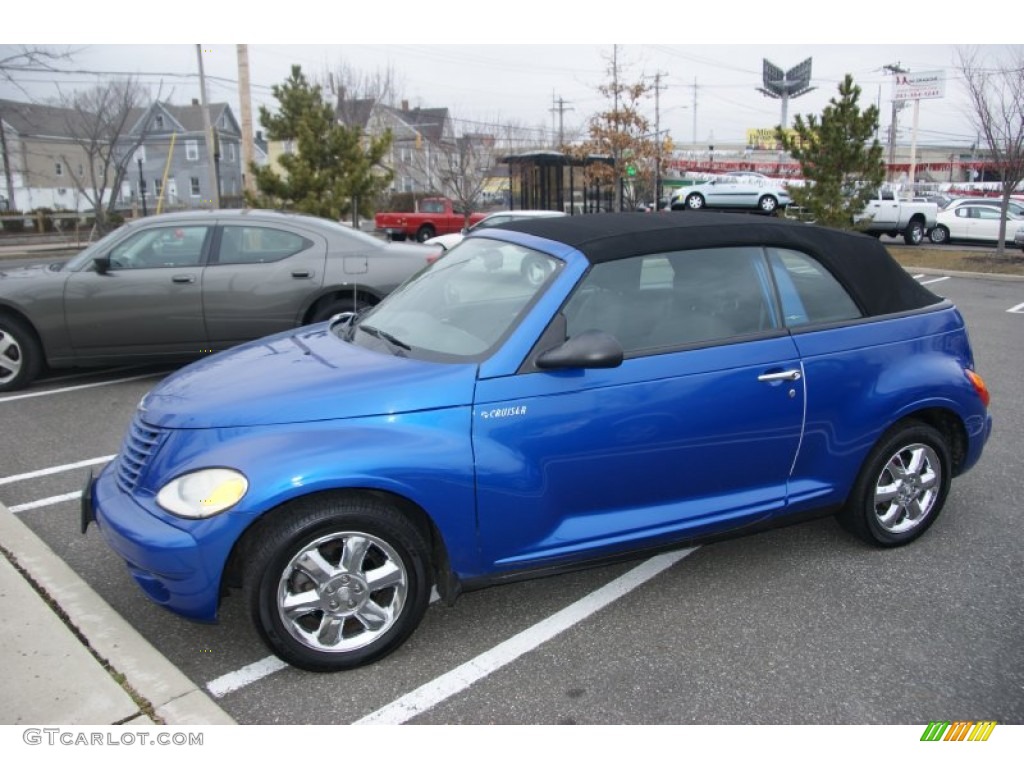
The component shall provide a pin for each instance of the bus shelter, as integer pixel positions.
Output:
(555, 181)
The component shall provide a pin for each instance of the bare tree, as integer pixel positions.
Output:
(351, 88)
(17, 59)
(623, 133)
(100, 122)
(460, 169)
(997, 97)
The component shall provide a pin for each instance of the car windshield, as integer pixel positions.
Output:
(461, 307)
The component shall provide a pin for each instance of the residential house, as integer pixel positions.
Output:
(174, 173)
(39, 155)
(419, 136)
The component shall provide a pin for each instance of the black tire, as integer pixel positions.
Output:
(914, 233)
(328, 308)
(911, 462)
(768, 204)
(939, 235)
(694, 202)
(425, 233)
(331, 629)
(21, 356)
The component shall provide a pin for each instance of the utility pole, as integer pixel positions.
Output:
(211, 149)
(657, 139)
(560, 109)
(694, 113)
(8, 176)
(245, 101)
(894, 69)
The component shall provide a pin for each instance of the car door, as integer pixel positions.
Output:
(149, 301)
(260, 276)
(984, 223)
(695, 432)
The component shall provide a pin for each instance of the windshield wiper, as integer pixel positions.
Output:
(390, 339)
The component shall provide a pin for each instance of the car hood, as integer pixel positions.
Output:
(34, 272)
(303, 375)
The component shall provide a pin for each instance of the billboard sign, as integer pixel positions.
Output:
(908, 86)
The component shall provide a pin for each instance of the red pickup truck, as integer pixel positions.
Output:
(436, 216)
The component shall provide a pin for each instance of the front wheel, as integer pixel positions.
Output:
(914, 233)
(768, 204)
(940, 235)
(694, 202)
(901, 487)
(335, 583)
(21, 357)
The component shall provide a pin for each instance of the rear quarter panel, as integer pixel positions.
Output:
(864, 378)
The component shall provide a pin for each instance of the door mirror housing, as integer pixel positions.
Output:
(590, 349)
(102, 264)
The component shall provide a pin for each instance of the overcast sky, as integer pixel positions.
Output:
(508, 63)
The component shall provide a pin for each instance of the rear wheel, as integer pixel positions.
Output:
(901, 487)
(334, 583)
(914, 233)
(767, 204)
(328, 308)
(21, 357)
(425, 233)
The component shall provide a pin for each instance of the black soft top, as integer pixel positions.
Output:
(860, 262)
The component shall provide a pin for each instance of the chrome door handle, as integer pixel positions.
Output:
(183, 279)
(793, 375)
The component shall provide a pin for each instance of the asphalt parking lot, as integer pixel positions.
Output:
(799, 625)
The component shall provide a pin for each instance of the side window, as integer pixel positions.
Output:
(258, 245)
(160, 247)
(675, 299)
(809, 292)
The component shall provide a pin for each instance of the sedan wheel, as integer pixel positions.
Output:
(20, 354)
(694, 202)
(902, 487)
(940, 235)
(768, 204)
(337, 584)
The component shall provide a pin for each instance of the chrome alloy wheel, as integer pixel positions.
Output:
(907, 488)
(342, 592)
(11, 356)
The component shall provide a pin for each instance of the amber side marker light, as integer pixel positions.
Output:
(980, 387)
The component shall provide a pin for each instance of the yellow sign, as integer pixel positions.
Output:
(764, 138)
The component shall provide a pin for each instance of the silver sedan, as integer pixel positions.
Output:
(182, 285)
(732, 192)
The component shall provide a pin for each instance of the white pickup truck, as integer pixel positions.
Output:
(893, 217)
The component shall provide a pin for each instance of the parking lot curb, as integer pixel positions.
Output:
(952, 273)
(159, 688)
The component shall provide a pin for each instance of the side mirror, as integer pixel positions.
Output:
(590, 349)
(102, 264)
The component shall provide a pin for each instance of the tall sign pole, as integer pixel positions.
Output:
(785, 86)
(211, 149)
(915, 86)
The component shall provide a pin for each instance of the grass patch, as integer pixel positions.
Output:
(1011, 263)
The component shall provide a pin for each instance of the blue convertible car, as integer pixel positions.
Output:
(551, 394)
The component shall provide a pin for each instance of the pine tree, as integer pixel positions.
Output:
(330, 166)
(839, 158)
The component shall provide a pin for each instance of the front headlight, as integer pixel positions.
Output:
(204, 493)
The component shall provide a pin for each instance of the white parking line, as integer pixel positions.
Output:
(429, 695)
(240, 678)
(55, 470)
(62, 390)
(1018, 310)
(47, 502)
(936, 280)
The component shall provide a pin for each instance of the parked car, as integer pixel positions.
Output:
(179, 285)
(885, 214)
(1013, 206)
(671, 380)
(491, 220)
(730, 191)
(976, 222)
(1018, 238)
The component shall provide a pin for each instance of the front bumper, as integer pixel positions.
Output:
(165, 561)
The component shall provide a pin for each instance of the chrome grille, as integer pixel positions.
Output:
(138, 446)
